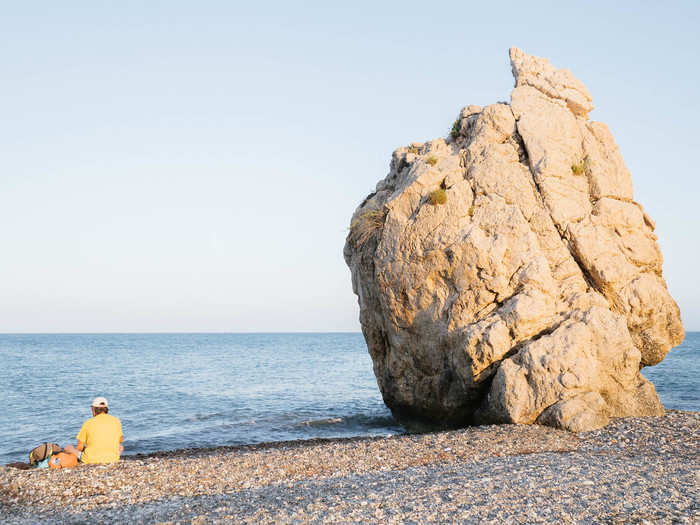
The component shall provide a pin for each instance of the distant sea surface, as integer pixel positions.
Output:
(200, 390)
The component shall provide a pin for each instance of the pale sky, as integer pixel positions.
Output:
(193, 166)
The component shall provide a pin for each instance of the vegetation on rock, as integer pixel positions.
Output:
(456, 128)
(366, 225)
(580, 167)
(439, 196)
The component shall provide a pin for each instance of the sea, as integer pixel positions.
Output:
(174, 391)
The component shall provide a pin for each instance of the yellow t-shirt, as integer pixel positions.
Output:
(101, 435)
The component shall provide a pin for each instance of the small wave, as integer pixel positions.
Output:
(372, 420)
(229, 416)
(322, 422)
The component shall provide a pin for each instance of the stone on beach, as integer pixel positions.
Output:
(636, 470)
(534, 292)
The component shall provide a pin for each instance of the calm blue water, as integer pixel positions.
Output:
(677, 378)
(197, 390)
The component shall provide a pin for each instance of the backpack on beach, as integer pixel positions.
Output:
(43, 452)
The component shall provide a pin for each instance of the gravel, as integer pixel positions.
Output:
(636, 470)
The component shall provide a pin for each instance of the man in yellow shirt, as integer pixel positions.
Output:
(100, 437)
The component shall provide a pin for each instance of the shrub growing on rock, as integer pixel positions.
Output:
(439, 196)
(580, 167)
(366, 225)
(456, 128)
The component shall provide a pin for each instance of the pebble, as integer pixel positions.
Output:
(635, 470)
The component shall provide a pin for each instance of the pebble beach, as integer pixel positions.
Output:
(635, 470)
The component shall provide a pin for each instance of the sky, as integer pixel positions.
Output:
(193, 166)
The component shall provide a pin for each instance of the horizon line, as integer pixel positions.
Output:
(186, 332)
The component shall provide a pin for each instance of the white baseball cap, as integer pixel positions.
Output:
(99, 402)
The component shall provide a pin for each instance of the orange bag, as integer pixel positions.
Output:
(63, 460)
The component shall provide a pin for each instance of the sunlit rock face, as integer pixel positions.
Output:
(506, 274)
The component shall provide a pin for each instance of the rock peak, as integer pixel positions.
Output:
(557, 84)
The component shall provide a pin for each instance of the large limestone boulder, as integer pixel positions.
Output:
(506, 274)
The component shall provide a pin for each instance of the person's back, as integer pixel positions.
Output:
(101, 435)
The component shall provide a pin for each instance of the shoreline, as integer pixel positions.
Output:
(251, 447)
(633, 469)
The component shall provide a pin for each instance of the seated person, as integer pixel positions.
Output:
(100, 437)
